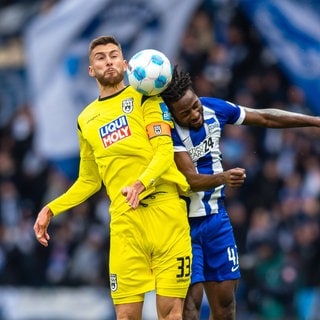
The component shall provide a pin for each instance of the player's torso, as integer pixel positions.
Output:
(116, 131)
(115, 126)
(203, 146)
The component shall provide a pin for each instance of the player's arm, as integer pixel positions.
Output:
(159, 133)
(87, 184)
(277, 118)
(162, 155)
(158, 126)
(161, 161)
(201, 182)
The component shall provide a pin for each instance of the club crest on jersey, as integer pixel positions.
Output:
(115, 131)
(127, 105)
(113, 282)
(157, 129)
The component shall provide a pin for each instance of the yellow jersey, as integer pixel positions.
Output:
(123, 138)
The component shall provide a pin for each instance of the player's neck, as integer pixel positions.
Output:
(110, 90)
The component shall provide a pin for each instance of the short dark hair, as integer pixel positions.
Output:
(102, 40)
(180, 83)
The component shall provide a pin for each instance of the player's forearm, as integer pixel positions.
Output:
(277, 118)
(281, 118)
(88, 183)
(80, 191)
(160, 163)
(203, 182)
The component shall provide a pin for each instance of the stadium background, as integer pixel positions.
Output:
(255, 53)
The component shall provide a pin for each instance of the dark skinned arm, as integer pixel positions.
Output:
(277, 118)
(201, 182)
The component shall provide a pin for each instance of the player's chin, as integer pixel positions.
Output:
(196, 125)
(112, 80)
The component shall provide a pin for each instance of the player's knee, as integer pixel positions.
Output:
(172, 315)
(191, 306)
(191, 311)
(225, 311)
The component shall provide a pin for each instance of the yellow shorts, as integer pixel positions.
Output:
(150, 249)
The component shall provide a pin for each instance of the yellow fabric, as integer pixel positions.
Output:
(143, 249)
(115, 150)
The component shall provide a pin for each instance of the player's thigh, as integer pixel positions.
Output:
(172, 255)
(221, 256)
(169, 307)
(129, 263)
(197, 275)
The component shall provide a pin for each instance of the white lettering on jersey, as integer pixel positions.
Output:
(114, 131)
(209, 145)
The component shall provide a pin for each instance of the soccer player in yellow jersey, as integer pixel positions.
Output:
(125, 144)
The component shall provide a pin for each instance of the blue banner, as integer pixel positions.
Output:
(291, 29)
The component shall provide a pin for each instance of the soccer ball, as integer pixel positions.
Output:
(149, 72)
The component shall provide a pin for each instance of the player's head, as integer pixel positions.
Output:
(106, 62)
(103, 40)
(182, 101)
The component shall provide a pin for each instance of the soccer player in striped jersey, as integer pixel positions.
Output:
(199, 123)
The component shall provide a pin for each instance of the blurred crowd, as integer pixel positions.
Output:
(275, 215)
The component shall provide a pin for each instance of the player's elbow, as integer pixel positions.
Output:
(93, 185)
(97, 186)
(194, 183)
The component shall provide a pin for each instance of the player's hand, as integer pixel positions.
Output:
(41, 225)
(235, 177)
(132, 194)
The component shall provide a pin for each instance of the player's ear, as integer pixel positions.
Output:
(125, 64)
(91, 71)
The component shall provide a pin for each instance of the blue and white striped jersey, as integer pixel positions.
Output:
(203, 147)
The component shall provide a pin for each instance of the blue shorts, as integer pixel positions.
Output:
(214, 250)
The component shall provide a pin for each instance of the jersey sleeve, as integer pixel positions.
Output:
(157, 115)
(227, 112)
(155, 110)
(161, 161)
(240, 116)
(88, 182)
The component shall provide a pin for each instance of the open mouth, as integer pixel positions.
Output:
(197, 122)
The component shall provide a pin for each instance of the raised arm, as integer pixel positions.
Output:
(277, 118)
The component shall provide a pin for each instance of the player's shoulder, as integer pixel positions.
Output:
(218, 105)
(130, 91)
(214, 101)
(88, 108)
